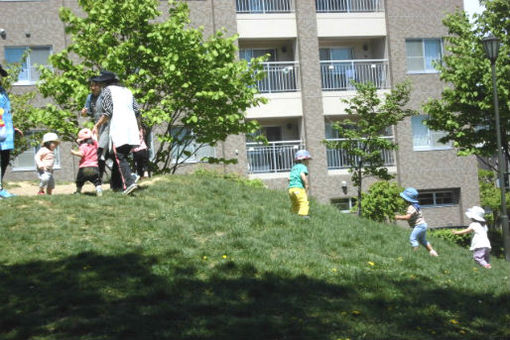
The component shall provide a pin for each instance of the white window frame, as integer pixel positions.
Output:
(425, 69)
(204, 151)
(29, 67)
(350, 200)
(431, 136)
(269, 50)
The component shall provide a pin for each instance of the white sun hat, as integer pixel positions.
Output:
(476, 213)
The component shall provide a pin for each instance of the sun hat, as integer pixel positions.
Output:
(50, 137)
(3, 72)
(105, 76)
(84, 134)
(410, 195)
(476, 213)
(302, 155)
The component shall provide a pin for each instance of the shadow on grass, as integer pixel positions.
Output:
(92, 296)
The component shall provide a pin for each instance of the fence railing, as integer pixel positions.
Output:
(272, 158)
(280, 77)
(264, 6)
(339, 159)
(338, 75)
(348, 6)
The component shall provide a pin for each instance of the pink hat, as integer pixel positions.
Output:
(84, 134)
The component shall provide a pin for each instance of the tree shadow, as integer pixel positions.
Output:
(132, 296)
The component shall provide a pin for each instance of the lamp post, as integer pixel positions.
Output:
(491, 46)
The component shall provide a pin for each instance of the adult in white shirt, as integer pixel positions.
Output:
(119, 107)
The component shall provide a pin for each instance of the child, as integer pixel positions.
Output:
(141, 156)
(480, 244)
(45, 159)
(89, 170)
(298, 184)
(416, 221)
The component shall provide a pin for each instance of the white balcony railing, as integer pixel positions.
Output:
(272, 158)
(280, 77)
(338, 158)
(338, 75)
(264, 6)
(348, 6)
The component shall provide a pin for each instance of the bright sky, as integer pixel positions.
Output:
(472, 6)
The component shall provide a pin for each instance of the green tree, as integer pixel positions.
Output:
(465, 110)
(368, 117)
(382, 201)
(193, 90)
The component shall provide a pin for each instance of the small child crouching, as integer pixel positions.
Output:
(45, 160)
(88, 169)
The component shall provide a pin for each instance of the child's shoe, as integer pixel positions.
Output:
(99, 192)
(5, 194)
(433, 253)
(41, 192)
(488, 266)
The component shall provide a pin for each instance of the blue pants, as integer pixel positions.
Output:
(418, 235)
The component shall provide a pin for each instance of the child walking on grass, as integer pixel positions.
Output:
(88, 169)
(414, 217)
(480, 244)
(298, 184)
(45, 159)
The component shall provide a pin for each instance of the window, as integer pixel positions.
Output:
(425, 139)
(345, 205)
(249, 53)
(446, 197)
(37, 55)
(421, 53)
(184, 142)
(26, 162)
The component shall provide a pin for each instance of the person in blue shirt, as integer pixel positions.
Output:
(299, 184)
(6, 133)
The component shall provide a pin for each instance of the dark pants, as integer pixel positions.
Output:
(101, 163)
(4, 160)
(88, 174)
(121, 165)
(141, 160)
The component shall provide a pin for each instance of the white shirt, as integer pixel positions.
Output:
(480, 239)
(123, 124)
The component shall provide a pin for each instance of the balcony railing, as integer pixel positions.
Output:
(264, 6)
(280, 77)
(338, 75)
(272, 158)
(339, 159)
(348, 6)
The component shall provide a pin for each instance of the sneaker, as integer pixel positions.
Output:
(433, 253)
(41, 192)
(5, 194)
(488, 266)
(129, 189)
(77, 193)
(99, 193)
(136, 177)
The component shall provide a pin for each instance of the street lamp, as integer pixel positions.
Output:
(491, 46)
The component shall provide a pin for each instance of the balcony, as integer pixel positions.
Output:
(281, 76)
(338, 159)
(349, 6)
(338, 75)
(275, 157)
(264, 6)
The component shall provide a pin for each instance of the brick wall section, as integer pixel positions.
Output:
(313, 119)
(427, 169)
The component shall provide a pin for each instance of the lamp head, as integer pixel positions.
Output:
(491, 47)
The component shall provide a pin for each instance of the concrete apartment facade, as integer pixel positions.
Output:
(316, 48)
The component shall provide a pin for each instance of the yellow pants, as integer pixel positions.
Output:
(299, 200)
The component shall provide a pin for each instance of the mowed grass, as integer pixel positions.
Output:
(196, 257)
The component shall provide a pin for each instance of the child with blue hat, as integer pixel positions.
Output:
(414, 216)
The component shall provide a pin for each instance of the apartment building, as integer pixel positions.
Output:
(316, 48)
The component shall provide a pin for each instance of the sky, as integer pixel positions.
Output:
(472, 6)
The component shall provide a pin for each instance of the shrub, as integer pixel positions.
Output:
(382, 201)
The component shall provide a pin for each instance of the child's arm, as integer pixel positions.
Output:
(463, 231)
(403, 217)
(304, 178)
(38, 159)
(77, 153)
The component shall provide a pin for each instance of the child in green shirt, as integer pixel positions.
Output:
(298, 184)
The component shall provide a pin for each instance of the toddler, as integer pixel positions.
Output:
(88, 169)
(45, 159)
(298, 184)
(414, 217)
(480, 244)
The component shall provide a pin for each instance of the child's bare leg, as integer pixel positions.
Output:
(431, 250)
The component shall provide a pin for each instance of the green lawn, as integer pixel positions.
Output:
(197, 257)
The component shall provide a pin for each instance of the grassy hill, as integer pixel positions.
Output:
(197, 257)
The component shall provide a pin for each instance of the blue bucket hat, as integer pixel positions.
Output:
(410, 195)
